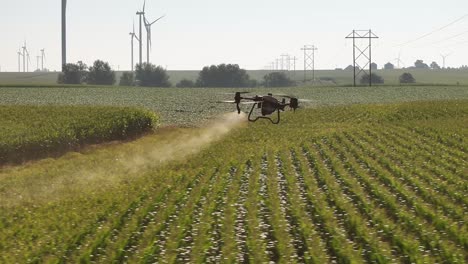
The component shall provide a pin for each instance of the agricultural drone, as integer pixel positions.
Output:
(267, 105)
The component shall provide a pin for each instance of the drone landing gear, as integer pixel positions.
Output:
(263, 117)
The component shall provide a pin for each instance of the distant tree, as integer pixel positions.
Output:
(185, 83)
(407, 78)
(419, 64)
(350, 68)
(223, 75)
(435, 66)
(374, 78)
(127, 79)
(101, 73)
(374, 66)
(389, 66)
(277, 79)
(151, 76)
(73, 73)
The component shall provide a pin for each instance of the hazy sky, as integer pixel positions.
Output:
(251, 33)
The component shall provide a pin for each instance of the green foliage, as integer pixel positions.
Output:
(127, 79)
(223, 75)
(419, 64)
(149, 75)
(30, 132)
(184, 107)
(185, 83)
(100, 73)
(277, 79)
(73, 73)
(376, 79)
(389, 66)
(435, 66)
(407, 78)
(354, 184)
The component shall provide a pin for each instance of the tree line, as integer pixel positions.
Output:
(222, 75)
(150, 75)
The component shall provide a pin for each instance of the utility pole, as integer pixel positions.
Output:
(294, 59)
(309, 60)
(285, 58)
(365, 53)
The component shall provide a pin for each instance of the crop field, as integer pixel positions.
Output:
(376, 183)
(30, 132)
(190, 107)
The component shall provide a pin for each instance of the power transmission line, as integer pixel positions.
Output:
(434, 31)
(309, 60)
(366, 53)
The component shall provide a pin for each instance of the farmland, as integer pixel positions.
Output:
(339, 183)
(31, 132)
(190, 107)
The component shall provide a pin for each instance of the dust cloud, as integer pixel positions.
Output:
(186, 144)
(107, 166)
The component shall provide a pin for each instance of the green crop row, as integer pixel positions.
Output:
(356, 184)
(30, 132)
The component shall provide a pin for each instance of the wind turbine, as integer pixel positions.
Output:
(444, 57)
(25, 52)
(133, 36)
(148, 35)
(19, 59)
(28, 61)
(141, 13)
(64, 33)
(42, 59)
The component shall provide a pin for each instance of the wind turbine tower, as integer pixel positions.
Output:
(19, 60)
(25, 56)
(133, 36)
(42, 59)
(141, 14)
(148, 35)
(443, 59)
(64, 33)
(37, 62)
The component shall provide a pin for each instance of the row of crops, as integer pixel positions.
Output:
(189, 106)
(30, 132)
(376, 184)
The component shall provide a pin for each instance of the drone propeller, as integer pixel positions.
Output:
(284, 95)
(234, 93)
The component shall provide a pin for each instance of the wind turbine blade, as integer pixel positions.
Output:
(144, 4)
(157, 20)
(133, 26)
